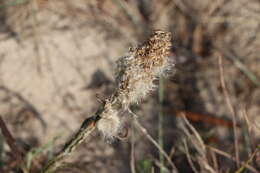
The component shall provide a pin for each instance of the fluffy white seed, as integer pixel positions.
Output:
(110, 124)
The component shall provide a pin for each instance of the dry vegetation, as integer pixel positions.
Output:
(57, 64)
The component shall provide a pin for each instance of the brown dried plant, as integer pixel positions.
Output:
(135, 77)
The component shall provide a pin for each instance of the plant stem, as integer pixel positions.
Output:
(85, 130)
(160, 121)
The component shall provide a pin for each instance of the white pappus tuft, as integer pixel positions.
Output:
(109, 125)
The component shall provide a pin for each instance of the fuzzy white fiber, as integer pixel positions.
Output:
(109, 125)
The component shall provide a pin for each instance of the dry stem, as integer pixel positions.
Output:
(132, 157)
(85, 130)
(222, 153)
(231, 108)
(15, 150)
(150, 138)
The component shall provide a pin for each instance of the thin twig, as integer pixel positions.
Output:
(10, 141)
(214, 160)
(159, 165)
(150, 138)
(36, 38)
(197, 135)
(231, 108)
(250, 122)
(198, 143)
(85, 130)
(135, 19)
(249, 137)
(222, 153)
(153, 170)
(242, 67)
(189, 157)
(241, 169)
(160, 121)
(15, 150)
(132, 159)
(172, 152)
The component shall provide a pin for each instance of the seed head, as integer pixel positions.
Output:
(137, 71)
(135, 77)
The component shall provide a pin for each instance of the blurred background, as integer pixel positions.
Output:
(57, 55)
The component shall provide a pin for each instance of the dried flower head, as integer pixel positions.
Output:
(137, 71)
(135, 77)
